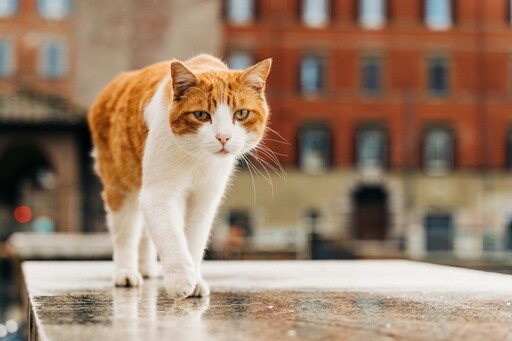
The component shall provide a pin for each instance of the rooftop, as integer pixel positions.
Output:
(31, 107)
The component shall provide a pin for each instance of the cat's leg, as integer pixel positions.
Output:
(125, 225)
(201, 209)
(164, 211)
(148, 264)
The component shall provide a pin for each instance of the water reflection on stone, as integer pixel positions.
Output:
(148, 313)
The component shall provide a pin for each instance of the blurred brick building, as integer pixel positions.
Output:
(398, 117)
(55, 57)
(396, 113)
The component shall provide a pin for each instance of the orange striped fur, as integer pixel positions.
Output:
(117, 123)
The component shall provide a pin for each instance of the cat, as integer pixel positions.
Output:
(166, 140)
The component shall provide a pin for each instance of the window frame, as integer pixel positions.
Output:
(249, 54)
(508, 14)
(365, 128)
(327, 155)
(15, 6)
(311, 24)
(508, 150)
(429, 20)
(449, 238)
(366, 24)
(427, 164)
(242, 22)
(10, 57)
(445, 61)
(64, 65)
(322, 81)
(365, 60)
(42, 11)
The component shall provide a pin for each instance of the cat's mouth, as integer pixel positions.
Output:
(222, 152)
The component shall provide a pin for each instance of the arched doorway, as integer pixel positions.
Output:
(370, 214)
(26, 178)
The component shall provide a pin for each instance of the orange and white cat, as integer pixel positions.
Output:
(166, 139)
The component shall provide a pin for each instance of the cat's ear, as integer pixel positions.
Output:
(182, 79)
(256, 75)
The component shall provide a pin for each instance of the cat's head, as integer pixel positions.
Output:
(219, 112)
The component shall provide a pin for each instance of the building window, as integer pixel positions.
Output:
(509, 14)
(239, 60)
(240, 12)
(6, 58)
(314, 149)
(438, 76)
(438, 14)
(372, 13)
(371, 148)
(371, 75)
(54, 9)
(311, 75)
(439, 232)
(439, 151)
(315, 13)
(509, 150)
(8, 8)
(53, 60)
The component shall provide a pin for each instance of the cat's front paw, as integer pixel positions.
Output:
(180, 284)
(202, 289)
(127, 278)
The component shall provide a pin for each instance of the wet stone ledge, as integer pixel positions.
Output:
(302, 300)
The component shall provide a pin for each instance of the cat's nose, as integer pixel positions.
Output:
(223, 138)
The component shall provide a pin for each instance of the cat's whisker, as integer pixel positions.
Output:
(279, 171)
(255, 153)
(269, 179)
(272, 167)
(275, 132)
(259, 160)
(252, 178)
(273, 152)
(271, 155)
(277, 141)
(269, 152)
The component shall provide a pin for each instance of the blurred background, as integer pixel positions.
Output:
(391, 119)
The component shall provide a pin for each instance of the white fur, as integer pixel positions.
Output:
(184, 178)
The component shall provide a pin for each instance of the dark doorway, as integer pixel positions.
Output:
(439, 231)
(370, 213)
(27, 178)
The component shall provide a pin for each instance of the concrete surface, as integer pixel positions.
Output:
(288, 300)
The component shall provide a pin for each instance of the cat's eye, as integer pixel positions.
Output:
(241, 114)
(202, 115)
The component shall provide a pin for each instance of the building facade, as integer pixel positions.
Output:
(397, 115)
(55, 57)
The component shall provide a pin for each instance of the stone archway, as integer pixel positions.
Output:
(394, 204)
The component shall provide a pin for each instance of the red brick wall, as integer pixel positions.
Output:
(478, 106)
(28, 30)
